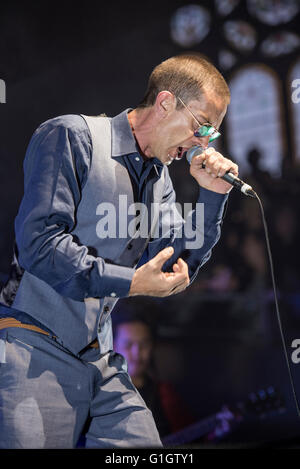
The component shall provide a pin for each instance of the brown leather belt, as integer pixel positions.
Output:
(12, 322)
(94, 344)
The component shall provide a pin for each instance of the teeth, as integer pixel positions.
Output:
(179, 153)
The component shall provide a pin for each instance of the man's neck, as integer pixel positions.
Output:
(140, 121)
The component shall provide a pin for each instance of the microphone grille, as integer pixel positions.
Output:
(195, 150)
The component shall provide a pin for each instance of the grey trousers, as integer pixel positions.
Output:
(47, 394)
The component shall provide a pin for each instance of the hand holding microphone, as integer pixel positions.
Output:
(220, 174)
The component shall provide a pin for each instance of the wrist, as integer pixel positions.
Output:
(216, 191)
(133, 290)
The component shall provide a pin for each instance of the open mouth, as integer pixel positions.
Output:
(180, 152)
(177, 155)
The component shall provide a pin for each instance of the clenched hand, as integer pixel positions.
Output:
(149, 280)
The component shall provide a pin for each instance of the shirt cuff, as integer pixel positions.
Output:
(214, 200)
(116, 280)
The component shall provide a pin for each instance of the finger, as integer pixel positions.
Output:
(234, 169)
(198, 160)
(178, 282)
(209, 151)
(216, 169)
(169, 274)
(227, 165)
(160, 258)
(182, 265)
(212, 158)
(212, 162)
(217, 165)
(177, 279)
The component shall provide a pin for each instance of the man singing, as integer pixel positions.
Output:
(57, 364)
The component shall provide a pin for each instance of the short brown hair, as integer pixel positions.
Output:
(186, 76)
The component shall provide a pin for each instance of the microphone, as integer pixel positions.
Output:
(228, 177)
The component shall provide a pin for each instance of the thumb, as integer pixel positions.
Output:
(162, 257)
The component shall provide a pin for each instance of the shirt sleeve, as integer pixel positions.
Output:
(56, 167)
(192, 234)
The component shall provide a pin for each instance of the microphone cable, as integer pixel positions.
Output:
(276, 300)
(247, 190)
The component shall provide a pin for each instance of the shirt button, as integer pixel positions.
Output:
(106, 308)
(137, 158)
(113, 294)
(129, 246)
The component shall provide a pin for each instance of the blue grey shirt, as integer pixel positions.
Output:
(56, 168)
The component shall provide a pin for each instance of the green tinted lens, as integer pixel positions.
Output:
(207, 131)
(214, 136)
(204, 131)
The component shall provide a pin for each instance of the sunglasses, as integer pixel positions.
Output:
(205, 129)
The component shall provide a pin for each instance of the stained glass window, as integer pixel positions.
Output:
(240, 35)
(280, 43)
(254, 118)
(294, 89)
(225, 7)
(226, 59)
(189, 25)
(273, 12)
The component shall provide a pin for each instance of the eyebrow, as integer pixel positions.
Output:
(203, 117)
(206, 121)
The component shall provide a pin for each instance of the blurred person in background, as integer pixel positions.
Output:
(135, 338)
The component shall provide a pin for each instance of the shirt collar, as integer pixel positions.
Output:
(123, 141)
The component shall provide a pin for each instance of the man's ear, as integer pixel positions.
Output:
(165, 103)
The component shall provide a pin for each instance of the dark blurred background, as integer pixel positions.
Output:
(219, 340)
